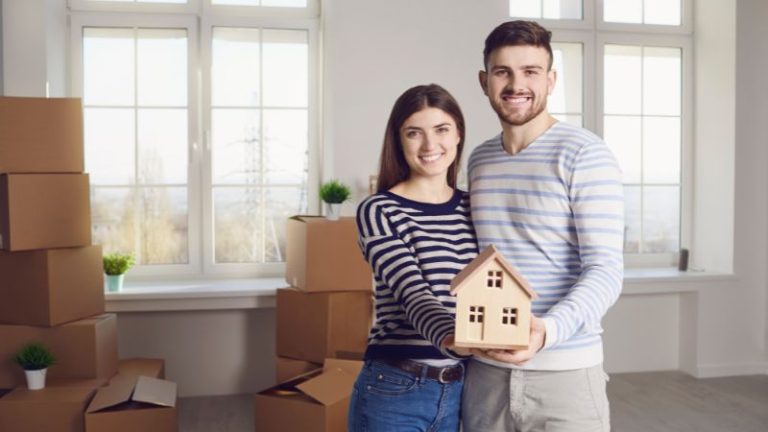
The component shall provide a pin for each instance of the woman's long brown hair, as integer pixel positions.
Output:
(393, 168)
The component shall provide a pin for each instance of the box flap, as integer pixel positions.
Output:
(118, 391)
(350, 366)
(329, 387)
(155, 391)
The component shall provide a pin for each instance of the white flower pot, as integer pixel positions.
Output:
(333, 210)
(35, 379)
(115, 283)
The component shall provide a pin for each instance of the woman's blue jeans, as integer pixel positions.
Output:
(388, 399)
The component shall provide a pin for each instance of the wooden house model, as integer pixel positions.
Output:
(493, 304)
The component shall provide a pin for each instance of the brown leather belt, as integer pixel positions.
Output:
(440, 374)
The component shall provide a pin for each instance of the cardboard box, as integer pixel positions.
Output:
(84, 349)
(51, 286)
(52, 409)
(133, 403)
(316, 402)
(316, 326)
(41, 135)
(153, 368)
(323, 255)
(287, 368)
(42, 211)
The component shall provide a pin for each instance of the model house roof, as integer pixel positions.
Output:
(488, 254)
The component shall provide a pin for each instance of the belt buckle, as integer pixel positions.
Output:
(441, 376)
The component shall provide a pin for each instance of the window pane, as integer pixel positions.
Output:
(286, 68)
(525, 8)
(566, 98)
(281, 204)
(632, 227)
(113, 219)
(661, 81)
(562, 9)
(236, 148)
(163, 226)
(108, 66)
(162, 67)
(237, 225)
(235, 69)
(286, 135)
(665, 12)
(622, 134)
(661, 219)
(661, 150)
(623, 11)
(162, 146)
(622, 81)
(271, 3)
(109, 145)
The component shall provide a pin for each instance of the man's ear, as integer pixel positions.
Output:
(482, 76)
(551, 81)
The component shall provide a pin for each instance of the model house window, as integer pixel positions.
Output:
(476, 314)
(198, 129)
(494, 279)
(509, 316)
(623, 70)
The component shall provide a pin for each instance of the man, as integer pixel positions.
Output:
(549, 196)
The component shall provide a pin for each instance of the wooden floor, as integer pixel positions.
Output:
(640, 402)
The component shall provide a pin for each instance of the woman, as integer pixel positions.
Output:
(417, 235)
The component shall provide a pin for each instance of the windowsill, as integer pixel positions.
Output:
(232, 294)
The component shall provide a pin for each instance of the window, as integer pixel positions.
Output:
(476, 314)
(494, 279)
(198, 151)
(624, 71)
(509, 316)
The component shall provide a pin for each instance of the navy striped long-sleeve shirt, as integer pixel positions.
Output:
(415, 250)
(556, 212)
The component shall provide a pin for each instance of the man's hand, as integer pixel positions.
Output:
(519, 357)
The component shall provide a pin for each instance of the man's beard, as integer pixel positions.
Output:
(515, 119)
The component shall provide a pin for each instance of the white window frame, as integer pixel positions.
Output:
(198, 17)
(594, 33)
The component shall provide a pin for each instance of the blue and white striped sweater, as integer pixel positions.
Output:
(556, 212)
(415, 250)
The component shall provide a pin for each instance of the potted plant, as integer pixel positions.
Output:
(115, 266)
(35, 359)
(333, 193)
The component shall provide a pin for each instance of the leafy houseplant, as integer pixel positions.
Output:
(35, 359)
(334, 193)
(115, 266)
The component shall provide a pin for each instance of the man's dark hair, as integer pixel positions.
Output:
(515, 33)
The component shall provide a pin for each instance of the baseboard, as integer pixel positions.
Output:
(734, 369)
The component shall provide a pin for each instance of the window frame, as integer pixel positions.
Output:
(198, 18)
(593, 33)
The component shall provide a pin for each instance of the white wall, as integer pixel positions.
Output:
(374, 51)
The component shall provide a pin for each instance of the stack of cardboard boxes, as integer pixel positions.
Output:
(323, 320)
(51, 284)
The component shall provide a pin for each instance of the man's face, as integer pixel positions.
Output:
(517, 82)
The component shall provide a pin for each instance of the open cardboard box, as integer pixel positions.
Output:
(314, 402)
(133, 403)
(287, 368)
(323, 255)
(48, 287)
(153, 368)
(41, 135)
(319, 325)
(42, 211)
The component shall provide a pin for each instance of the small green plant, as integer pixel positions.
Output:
(116, 264)
(34, 356)
(334, 192)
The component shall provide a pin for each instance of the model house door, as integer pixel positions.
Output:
(476, 323)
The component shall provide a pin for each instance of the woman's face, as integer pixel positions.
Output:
(430, 139)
